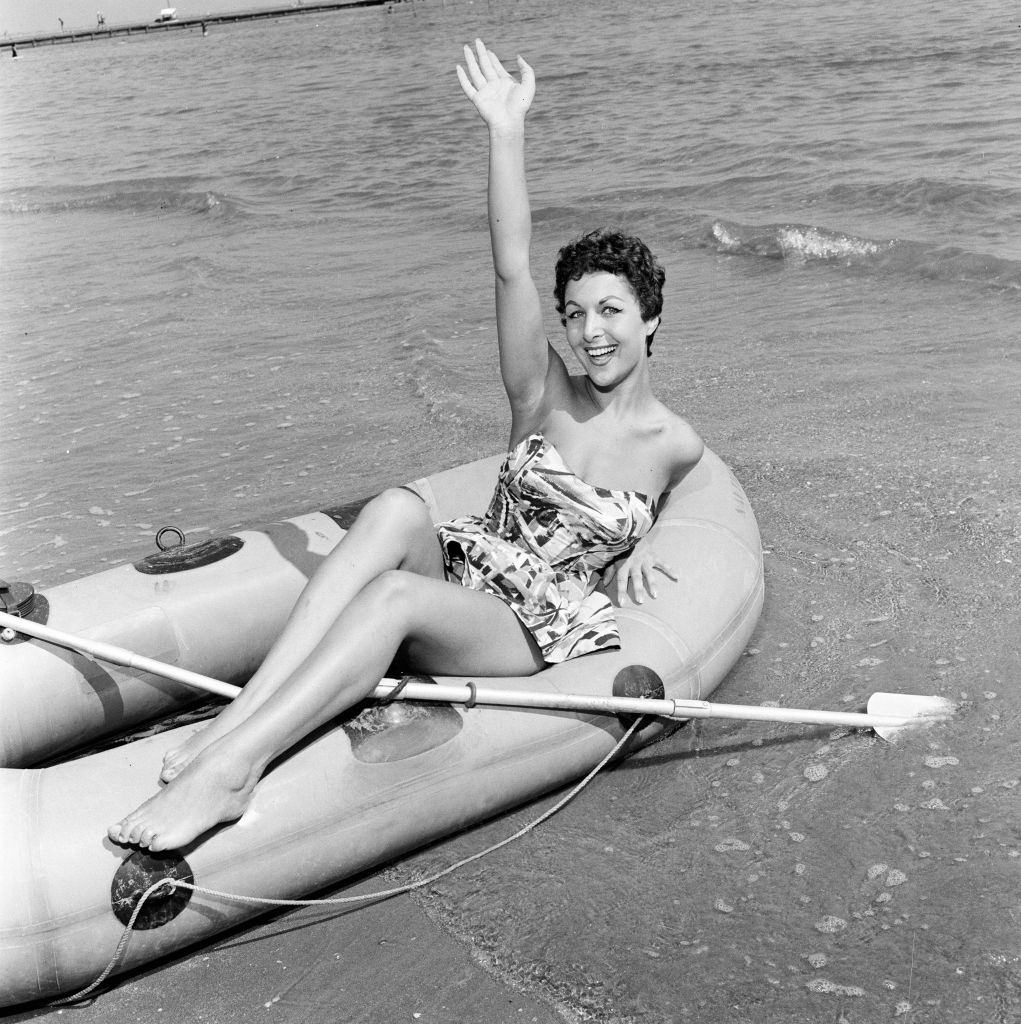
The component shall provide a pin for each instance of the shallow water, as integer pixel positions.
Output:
(248, 275)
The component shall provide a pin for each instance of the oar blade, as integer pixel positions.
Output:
(919, 709)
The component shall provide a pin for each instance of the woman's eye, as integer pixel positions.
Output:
(610, 310)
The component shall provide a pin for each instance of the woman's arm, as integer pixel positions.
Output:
(636, 570)
(526, 358)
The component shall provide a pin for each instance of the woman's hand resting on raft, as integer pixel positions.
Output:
(636, 574)
(500, 99)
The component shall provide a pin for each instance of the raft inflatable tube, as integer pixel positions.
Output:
(377, 783)
(213, 607)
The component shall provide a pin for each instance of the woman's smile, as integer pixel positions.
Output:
(600, 354)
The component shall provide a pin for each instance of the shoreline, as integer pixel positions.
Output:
(145, 28)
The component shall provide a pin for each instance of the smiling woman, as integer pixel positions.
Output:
(507, 593)
(606, 422)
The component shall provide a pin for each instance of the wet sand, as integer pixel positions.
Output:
(382, 962)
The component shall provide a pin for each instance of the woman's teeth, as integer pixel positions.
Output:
(598, 353)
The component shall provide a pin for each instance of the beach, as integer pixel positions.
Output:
(248, 275)
(391, 963)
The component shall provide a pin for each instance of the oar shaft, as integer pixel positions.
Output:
(663, 708)
(458, 693)
(103, 651)
(464, 694)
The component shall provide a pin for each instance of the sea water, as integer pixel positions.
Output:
(247, 274)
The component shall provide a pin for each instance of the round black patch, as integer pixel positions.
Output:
(136, 874)
(637, 681)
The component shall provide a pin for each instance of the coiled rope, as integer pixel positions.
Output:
(167, 886)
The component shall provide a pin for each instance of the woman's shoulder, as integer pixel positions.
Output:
(680, 443)
(689, 443)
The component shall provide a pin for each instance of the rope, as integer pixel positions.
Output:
(121, 946)
(395, 692)
(172, 884)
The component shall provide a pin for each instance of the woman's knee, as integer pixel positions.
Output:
(396, 506)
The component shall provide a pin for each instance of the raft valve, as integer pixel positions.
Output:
(15, 599)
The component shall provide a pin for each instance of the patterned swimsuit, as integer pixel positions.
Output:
(541, 546)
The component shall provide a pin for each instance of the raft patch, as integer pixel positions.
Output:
(138, 873)
(637, 681)
(401, 729)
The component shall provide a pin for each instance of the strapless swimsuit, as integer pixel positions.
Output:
(541, 545)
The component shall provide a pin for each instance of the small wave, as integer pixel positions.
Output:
(949, 263)
(146, 196)
(806, 244)
(885, 54)
(792, 241)
(927, 197)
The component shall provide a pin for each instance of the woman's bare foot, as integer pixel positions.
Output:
(177, 759)
(210, 790)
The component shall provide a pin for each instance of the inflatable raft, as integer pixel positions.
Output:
(377, 783)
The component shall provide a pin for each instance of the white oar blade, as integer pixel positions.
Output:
(917, 709)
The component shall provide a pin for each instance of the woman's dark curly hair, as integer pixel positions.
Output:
(613, 252)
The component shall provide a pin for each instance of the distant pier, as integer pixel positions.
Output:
(105, 32)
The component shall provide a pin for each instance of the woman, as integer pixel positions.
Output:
(501, 595)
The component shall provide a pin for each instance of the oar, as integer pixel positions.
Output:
(888, 713)
(117, 655)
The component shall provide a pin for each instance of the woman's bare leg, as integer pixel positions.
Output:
(393, 531)
(444, 628)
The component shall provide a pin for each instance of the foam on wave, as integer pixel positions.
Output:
(807, 243)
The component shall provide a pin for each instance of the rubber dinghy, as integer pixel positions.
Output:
(377, 783)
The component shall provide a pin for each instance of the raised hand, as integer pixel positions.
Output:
(499, 98)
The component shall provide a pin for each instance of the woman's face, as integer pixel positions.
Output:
(605, 327)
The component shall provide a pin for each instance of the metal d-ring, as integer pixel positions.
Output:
(169, 529)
